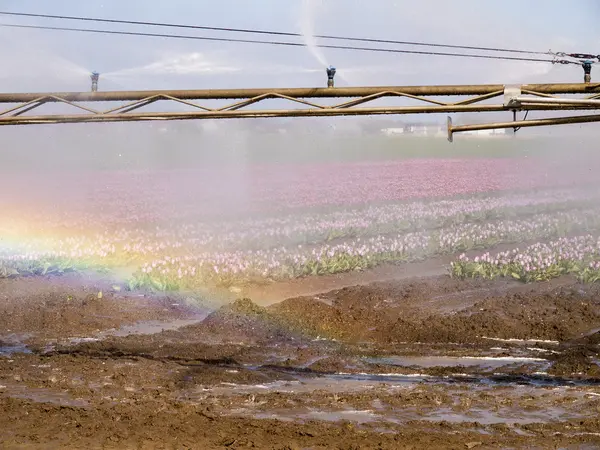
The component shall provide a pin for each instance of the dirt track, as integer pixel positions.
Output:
(419, 363)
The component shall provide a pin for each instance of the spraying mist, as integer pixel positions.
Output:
(307, 17)
(306, 25)
(181, 65)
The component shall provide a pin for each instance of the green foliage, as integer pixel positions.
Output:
(45, 266)
(489, 271)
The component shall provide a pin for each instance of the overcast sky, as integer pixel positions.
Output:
(36, 60)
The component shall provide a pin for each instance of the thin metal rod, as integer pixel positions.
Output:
(450, 90)
(240, 114)
(545, 106)
(527, 123)
(558, 101)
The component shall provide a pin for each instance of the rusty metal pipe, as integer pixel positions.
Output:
(526, 123)
(240, 114)
(449, 90)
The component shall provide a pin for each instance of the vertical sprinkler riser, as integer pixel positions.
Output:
(330, 74)
(587, 71)
(95, 76)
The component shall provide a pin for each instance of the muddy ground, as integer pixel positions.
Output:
(412, 363)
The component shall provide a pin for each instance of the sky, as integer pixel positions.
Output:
(57, 61)
(46, 61)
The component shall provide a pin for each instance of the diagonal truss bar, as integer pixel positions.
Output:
(132, 106)
(28, 106)
(270, 95)
(27, 109)
(185, 102)
(244, 103)
(537, 94)
(62, 100)
(479, 98)
(37, 102)
(139, 105)
(298, 100)
(372, 97)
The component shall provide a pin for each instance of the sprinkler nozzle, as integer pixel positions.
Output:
(330, 74)
(95, 76)
(587, 71)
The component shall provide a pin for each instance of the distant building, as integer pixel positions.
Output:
(392, 131)
(437, 130)
(487, 133)
(416, 129)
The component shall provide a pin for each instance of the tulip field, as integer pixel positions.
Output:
(538, 262)
(163, 227)
(267, 305)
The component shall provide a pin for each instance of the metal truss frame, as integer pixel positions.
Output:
(542, 97)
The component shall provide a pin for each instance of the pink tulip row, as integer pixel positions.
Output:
(135, 243)
(172, 195)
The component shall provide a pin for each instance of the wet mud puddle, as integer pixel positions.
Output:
(13, 343)
(397, 416)
(508, 390)
(41, 395)
(10, 349)
(396, 400)
(484, 362)
(363, 382)
(147, 327)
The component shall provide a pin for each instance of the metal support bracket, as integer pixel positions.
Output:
(450, 136)
(511, 96)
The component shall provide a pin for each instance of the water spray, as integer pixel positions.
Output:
(95, 76)
(330, 74)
